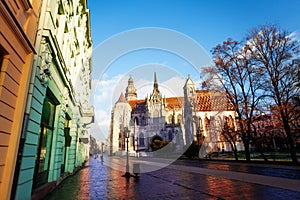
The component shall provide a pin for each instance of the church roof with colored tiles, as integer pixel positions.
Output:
(206, 100)
(171, 102)
(210, 100)
(135, 103)
(175, 102)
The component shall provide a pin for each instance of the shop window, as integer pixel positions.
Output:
(45, 142)
(67, 143)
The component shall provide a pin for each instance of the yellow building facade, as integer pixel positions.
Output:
(18, 22)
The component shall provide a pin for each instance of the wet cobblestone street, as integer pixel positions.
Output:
(97, 181)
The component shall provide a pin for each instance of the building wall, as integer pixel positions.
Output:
(62, 63)
(207, 121)
(120, 120)
(17, 35)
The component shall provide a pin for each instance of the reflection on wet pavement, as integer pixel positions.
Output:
(98, 181)
(269, 171)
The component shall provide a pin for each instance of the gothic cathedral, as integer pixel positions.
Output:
(194, 118)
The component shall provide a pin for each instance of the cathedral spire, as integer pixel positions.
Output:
(155, 96)
(155, 86)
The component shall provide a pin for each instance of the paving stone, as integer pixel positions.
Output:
(97, 181)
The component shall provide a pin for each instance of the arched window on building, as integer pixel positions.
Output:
(212, 127)
(201, 126)
(170, 119)
(195, 128)
(143, 122)
(156, 117)
(179, 119)
(136, 121)
(207, 126)
(219, 124)
(218, 130)
(141, 140)
(232, 126)
(231, 122)
(191, 90)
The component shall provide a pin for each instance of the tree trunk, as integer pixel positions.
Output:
(246, 146)
(235, 153)
(247, 152)
(287, 129)
(245, 138)
(233, 147)
(258, 145)
(261, 151)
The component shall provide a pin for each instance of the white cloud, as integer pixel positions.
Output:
(173, 87)
(169, 88)
(102, 100)
(296, 36)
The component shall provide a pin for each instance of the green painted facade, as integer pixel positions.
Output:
(50, 147)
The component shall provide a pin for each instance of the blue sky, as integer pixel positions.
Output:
(208, 23)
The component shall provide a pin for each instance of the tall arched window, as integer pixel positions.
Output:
(170, 119)
(200, 125)
(136, 121)
(195, 126)
(179, 118)
(213, 135)
(141, 140)
(156, 116)
(206, 126)
(143, 123)
(231, 122)
(156, 113)
(218, 123)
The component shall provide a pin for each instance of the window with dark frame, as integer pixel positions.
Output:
(2, 54)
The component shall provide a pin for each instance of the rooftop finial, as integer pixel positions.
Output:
(130, 80)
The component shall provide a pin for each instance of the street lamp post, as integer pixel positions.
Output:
(127, 173)
(102, 144)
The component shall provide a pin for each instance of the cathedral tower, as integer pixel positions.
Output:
(120, 120)
(189, 89)
(130, 90)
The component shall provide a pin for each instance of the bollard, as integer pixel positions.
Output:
(136, 169)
